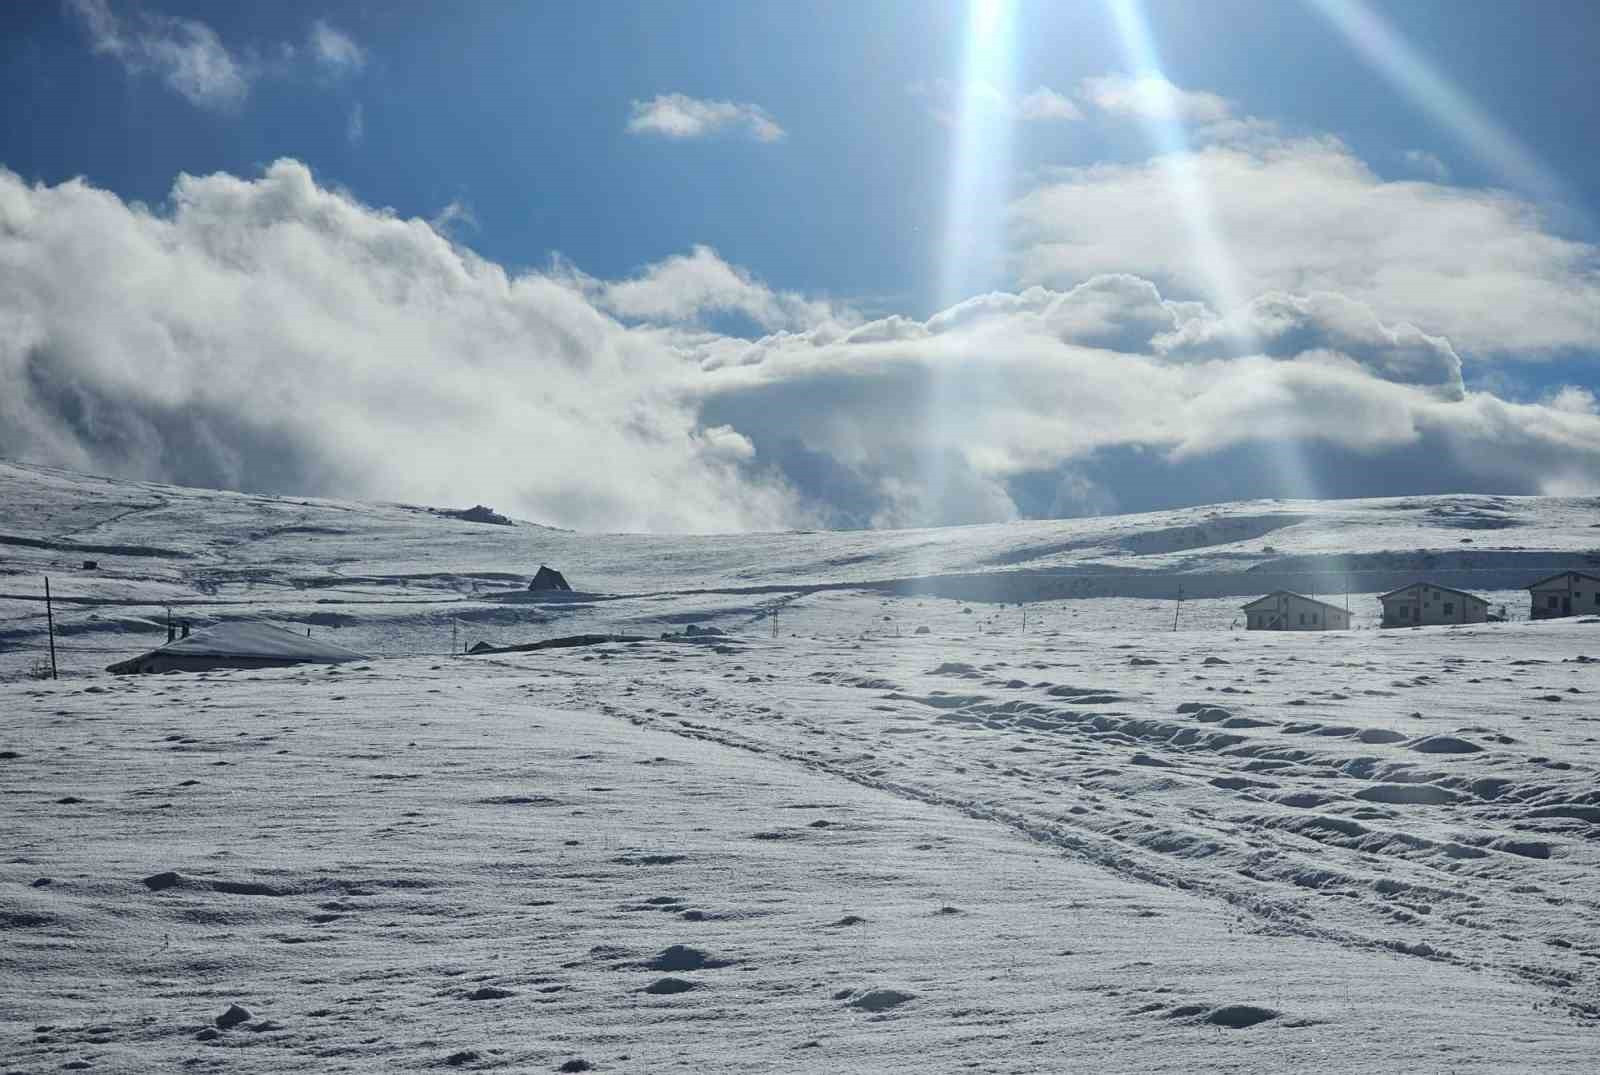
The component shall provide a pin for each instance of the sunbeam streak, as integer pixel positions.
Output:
(981, 159)
(1444, 102)
(1170, 141)
(975, 201)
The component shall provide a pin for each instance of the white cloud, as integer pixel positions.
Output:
(947, 101)
(686, 288)
(1154, 98)
(1046, 104)
(1304, 215)
(1574, 399)
(186, 53)
(887, 431)
(1280, 325)
(453, 217)
(191, 59)
(274, 334)
(676, 115)
(1208, 117)
(1427, 165)
(355, 127)
(334, 51)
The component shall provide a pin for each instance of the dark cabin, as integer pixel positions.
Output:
(548, 580)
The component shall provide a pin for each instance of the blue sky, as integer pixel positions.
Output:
(704, 175)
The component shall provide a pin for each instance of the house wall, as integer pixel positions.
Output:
(1295, 614)
(1572, 594)
(1423, 605)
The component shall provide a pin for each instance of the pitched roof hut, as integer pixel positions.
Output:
(548, 578)
(1566, 593)
(1419, 604)
(236, 645)
(1285, 611)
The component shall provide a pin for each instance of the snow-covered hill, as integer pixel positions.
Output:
(1088, 842)
(394, 578)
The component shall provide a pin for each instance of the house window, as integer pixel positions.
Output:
(1302, 617)
(1554, 603)
(1313, 617)
(1449, 608)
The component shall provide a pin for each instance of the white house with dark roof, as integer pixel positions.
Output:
(1566, 593)
(1285, 611)
(1422, 604)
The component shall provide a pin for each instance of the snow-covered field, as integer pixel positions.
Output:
(1094, 844)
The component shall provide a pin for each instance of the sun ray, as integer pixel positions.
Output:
(1170, 141)
(981, 161)
(1387, 50)
(973, 242)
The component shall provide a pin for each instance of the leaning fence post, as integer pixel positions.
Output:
(50, 619)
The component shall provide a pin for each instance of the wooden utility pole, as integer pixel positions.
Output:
(50, 619)
(1178, 609)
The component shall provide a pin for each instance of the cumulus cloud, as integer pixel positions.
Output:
(1279, 325)
(1304, 215)
(679, 116)
(185, 53)
(687, 288)
(1108, 395)
(273, 334)
(1574, 399)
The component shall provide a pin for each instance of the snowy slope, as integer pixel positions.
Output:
(1095, 843)
(391, 578)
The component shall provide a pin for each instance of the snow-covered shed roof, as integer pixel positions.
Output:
(252, 640)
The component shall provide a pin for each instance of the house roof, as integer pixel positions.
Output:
(1559, 574)
(1432, 586)
(1301, 596)
(260, 641)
